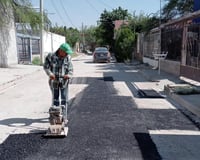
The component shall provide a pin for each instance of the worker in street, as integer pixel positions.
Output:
(59, 68)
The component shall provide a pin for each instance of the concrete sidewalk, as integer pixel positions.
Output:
(162, 81)
(15, 73)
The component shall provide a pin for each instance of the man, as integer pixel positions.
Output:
(59, 68)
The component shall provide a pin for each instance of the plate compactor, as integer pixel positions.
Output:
(57, 122)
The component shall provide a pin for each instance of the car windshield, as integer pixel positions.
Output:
(102, 49)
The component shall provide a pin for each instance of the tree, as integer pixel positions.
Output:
(176, 8)
(99, 32)
(105, 30)
(143, 23)
(72, 36)
(23, 12)
(124, 44)
(89, 36)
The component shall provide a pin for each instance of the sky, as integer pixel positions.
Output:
(78, 13)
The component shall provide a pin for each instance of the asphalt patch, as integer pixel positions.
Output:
(147, 146)
(89, 80)
(20, 146)
(108, 78)
(149, 94)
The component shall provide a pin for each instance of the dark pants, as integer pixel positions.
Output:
(59, 94)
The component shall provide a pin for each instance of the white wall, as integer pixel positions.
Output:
(52, 42)
(12, 49)
(8, 45)
(172, 67)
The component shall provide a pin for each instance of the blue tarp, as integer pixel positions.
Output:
(196, 8)
(196, 5)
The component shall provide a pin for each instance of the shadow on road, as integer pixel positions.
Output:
(16, 122)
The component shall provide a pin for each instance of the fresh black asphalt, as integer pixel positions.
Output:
(102, 126)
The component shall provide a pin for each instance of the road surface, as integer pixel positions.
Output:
(108, 120)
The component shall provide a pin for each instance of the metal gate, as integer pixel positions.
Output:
(26, 47)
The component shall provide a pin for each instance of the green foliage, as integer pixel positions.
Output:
(6, 7)
(105, 31)
(100, 39)
(143, 23)
(27, 15)
(23, 13)
(36, 61)
(58, 30)
(72, 35)
(106, 28)
(120, 14)
(89, 37)
(124, 44)
(176, 8)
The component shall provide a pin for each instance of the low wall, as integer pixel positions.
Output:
(172, 67)
(190, 72)
(52, 42)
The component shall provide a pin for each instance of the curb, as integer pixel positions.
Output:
(175, 97)
(192, 108)
(15, 81)
(181, 101)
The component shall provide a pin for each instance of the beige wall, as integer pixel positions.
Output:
(172, 67)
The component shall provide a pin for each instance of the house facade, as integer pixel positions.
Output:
(180, 40)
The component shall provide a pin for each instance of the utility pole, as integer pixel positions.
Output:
(41, 33)
(83, 36)
(160, 28)
(160, 14)
(160, 42)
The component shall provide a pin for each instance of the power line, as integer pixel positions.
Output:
(67, 14)
(57, 11)
(105, 4)
(92, 6)
(96, 11)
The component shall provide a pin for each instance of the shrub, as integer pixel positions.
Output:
(36, 61)
(124, 44)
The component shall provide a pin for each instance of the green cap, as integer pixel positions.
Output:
(66, 47)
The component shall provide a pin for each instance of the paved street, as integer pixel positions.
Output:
(108, 118)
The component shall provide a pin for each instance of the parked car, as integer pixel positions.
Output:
(101, 54)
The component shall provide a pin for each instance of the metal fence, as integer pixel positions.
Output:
(172, 43)
(150, 43)
(193, 46)
(26, 47)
